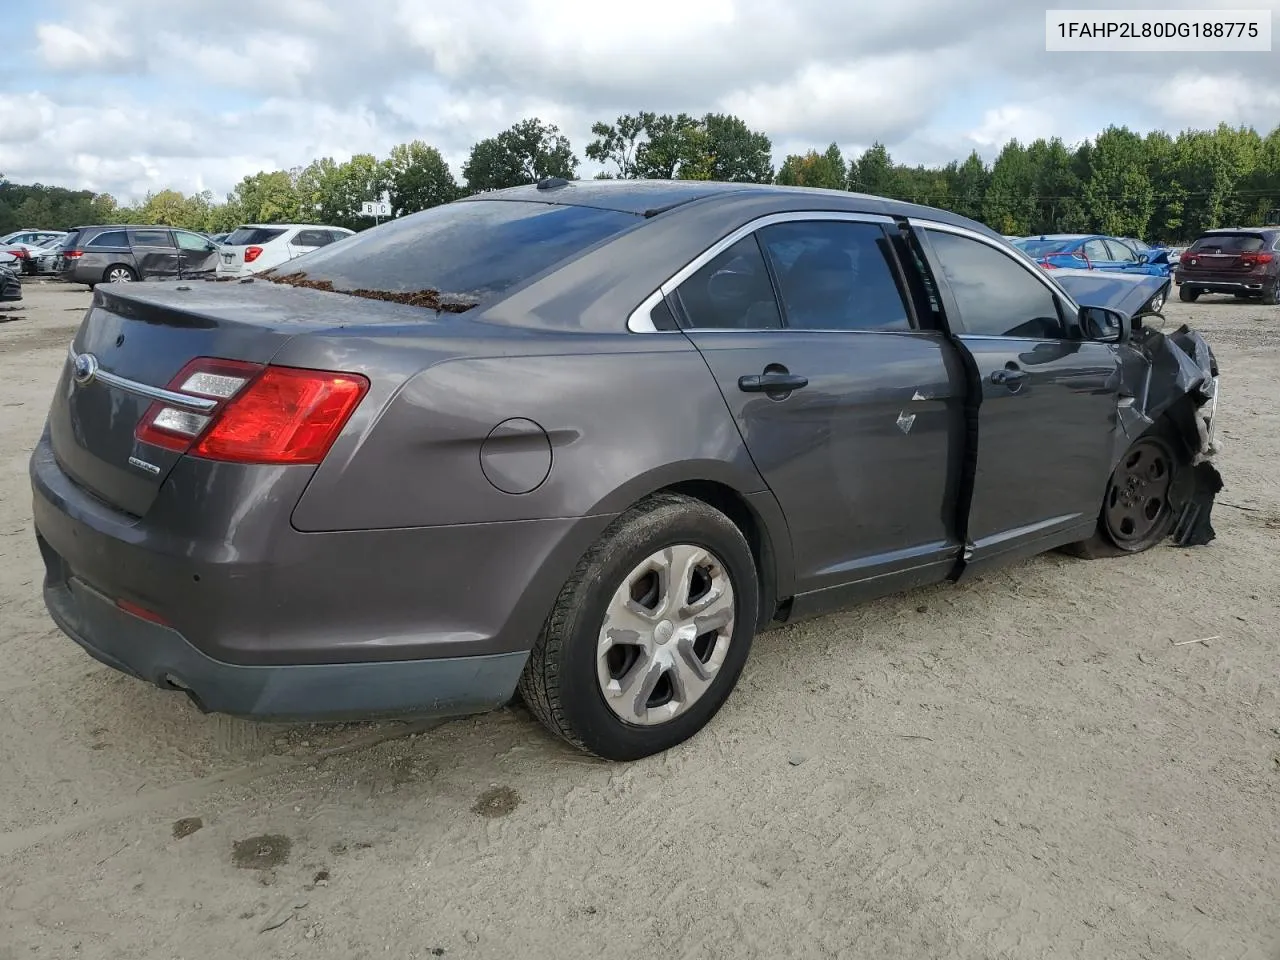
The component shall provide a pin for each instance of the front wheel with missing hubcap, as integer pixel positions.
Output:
(1137, 510)
(650, 633)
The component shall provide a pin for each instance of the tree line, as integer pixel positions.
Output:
(1157, 186)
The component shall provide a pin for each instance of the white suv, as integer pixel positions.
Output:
(256, 247)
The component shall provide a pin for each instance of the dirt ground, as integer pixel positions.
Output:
(1033, 765)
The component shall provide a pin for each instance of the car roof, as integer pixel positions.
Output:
(287, 226)
(1063, 236)
(651, 197)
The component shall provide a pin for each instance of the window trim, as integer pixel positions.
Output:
(921, 224)
(640, 320)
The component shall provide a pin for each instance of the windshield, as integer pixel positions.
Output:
(456, 255)
(1229, 243)
(244, 236)
(1043, 248)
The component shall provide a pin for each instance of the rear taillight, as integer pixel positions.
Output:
(1253, 259)
(251, 254)
(259, 414)
(1047, 265)
(72, 254)
(20, 253)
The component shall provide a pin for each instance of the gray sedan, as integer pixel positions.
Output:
(585, 440)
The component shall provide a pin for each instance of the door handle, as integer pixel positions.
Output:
(1008, 377)
(772, 383)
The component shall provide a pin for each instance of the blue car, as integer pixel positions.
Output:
(1091, 251)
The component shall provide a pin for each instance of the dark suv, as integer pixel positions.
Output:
(1244, 261)
(122, 253)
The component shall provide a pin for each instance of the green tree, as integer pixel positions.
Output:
(1010, 205)
(873, 172)
(734, 153)
(268, 197)
(675, 147)
(814, 169)
(617, 142)
(418, 178)
(1118, 194)
(525, 153)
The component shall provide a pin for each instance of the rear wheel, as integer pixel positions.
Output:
(1271, 293)
(119, 273)
(649, 635)
(1136, 510)
(1188, 294)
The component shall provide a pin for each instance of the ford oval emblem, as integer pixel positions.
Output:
(84, 368)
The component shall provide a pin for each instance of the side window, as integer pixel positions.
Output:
(835, 275)
(189, 241)
(152, 238)
(1121, 252)
(112, 238)
(996, 295)
(731, 292)
(312, 238)
(338, 235)
(1096, 250)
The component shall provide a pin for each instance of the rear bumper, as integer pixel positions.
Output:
(258, 619)
(1221, 284)
(444, 687)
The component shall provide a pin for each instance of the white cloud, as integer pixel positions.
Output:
(142, 94)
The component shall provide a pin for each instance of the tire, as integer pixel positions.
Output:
(1136, 510)
(580, 693)
(119, 273)
(1188, 294)
(1271, 293)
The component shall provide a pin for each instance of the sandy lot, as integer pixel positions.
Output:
(1024, 767)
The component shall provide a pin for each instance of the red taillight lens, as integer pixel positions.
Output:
(261, 415)
(251, 254)
(175, 428)
(72, 254)
(286, 415)
(20, 253)
(1253, 259)
(1047, 265)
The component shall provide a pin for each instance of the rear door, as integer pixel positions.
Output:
(1048, 398)
(154, 253)
(850, 408)
(304, 241)
(197, 254)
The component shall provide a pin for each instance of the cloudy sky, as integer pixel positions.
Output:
(137, 95)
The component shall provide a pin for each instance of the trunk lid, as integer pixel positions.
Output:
(1230, 253)
(144, 334)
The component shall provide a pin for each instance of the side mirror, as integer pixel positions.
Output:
(1105, 325)
(1143, 258)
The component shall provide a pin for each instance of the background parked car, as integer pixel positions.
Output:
(256, 247)
(120, 253)
(46, 258)
(1093, 252)
(13, 257)
(37, 238)
(1239, 261)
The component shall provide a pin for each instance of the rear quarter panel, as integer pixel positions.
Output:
(616, 418)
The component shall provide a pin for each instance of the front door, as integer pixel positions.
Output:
(1047, 404)
(154, 253)
(196, 254)
(851, 412)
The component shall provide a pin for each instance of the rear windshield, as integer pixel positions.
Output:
(458, 254)
(244, 236)
(1230, 243)
(1043, 248)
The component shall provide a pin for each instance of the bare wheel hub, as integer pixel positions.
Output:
(1139, 495)
(665, 635)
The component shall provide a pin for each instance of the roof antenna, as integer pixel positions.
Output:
(552, 183)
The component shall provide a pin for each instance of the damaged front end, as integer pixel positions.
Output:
(1170, 379)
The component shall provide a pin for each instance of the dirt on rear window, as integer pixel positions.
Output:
(427, 299)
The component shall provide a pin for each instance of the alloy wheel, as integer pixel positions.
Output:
(665, 635)
(119, 275)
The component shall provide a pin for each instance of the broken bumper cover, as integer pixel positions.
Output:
(1182, 382)
(444, 687)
